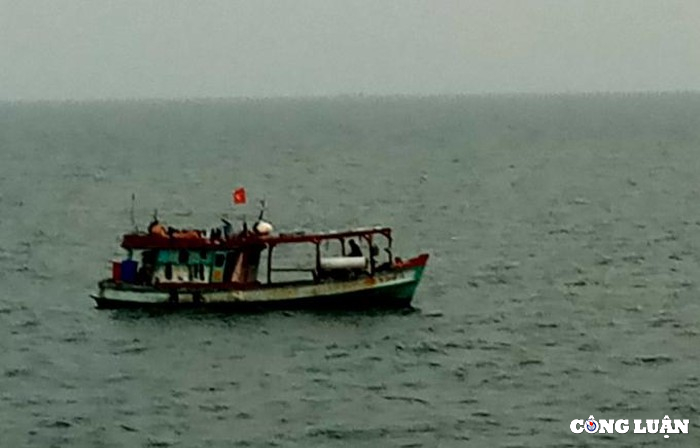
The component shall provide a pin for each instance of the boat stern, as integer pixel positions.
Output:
(111, 294)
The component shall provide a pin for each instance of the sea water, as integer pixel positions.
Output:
(563, 279)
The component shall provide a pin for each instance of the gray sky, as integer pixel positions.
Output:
(86, 49)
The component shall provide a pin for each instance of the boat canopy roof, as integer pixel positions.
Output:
(144, 241)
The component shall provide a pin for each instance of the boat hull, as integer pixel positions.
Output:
(392, 288)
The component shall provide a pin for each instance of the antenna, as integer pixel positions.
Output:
(263, 204)
(133, 219)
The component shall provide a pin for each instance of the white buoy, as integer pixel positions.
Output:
(331, 263)
(263, 228)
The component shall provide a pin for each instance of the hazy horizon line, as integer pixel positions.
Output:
(369, 96)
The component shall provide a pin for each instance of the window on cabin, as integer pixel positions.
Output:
(169, 271)
(183, 257)
(219, 260)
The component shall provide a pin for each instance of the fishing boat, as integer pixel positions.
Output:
(168, 267)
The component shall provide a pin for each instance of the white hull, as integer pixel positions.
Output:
(396, 284)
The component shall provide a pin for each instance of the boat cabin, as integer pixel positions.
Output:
(221, 260)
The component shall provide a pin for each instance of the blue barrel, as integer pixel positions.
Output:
(129, 268)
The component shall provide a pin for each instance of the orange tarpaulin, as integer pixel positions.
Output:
(187, 234)
(159, 230)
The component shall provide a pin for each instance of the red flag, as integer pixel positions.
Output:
(239, 196)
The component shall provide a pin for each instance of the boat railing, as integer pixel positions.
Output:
(292, 270)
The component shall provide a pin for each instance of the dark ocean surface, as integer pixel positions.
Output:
(564, 278)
